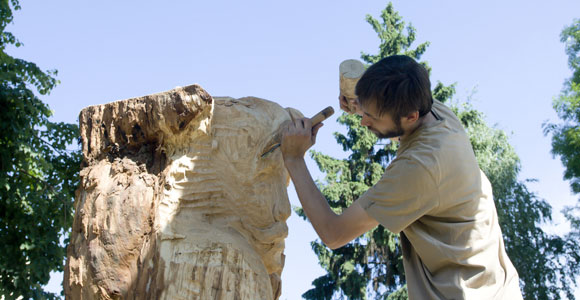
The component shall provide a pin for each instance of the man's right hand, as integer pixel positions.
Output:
(350, 106)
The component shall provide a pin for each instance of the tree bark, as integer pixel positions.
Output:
(175, 201)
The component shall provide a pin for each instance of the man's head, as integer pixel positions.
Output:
(396, 86)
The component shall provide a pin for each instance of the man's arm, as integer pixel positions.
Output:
(334, 230)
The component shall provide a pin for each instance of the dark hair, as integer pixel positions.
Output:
(397, 85)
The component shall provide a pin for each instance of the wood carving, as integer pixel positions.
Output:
(175, 201)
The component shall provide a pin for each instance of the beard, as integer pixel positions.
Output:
(398, 131)
(389, 134)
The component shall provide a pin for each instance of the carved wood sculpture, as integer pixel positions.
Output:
(175, 201)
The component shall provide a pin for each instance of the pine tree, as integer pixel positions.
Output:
(371, 265)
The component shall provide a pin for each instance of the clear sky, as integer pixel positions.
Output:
(289, 51)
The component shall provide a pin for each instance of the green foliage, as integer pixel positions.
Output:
(371, 265)
(38, 175)
(393, 38)
(571, 37)
(400, 294)
(566, 136)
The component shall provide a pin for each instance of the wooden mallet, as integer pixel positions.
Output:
(350, 72)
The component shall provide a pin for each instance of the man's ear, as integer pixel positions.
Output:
(411, 118)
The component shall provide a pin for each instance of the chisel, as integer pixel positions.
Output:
(319, 117)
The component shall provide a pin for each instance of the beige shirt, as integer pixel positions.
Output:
(435, 193)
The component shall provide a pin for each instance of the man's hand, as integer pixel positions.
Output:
(297, 137)
(334, 230)
(350, 106)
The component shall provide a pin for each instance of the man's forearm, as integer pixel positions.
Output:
(313, 202)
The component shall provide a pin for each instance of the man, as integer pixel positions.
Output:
(433, 192)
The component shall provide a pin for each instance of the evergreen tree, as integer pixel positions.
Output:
(38, 175)
(371, 265)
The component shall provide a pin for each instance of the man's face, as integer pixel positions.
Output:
(384, 126)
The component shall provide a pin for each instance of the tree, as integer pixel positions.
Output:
(38, 175)
(545, 263)
(566, 136)
(371, 265)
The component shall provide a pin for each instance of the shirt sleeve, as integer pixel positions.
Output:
(405, 193)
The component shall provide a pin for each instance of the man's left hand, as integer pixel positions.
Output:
(297, 137)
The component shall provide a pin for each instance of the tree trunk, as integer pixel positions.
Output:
(175, 201)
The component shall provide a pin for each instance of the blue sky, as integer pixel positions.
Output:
(505, 54)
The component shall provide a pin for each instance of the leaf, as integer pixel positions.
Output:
(38, 174)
